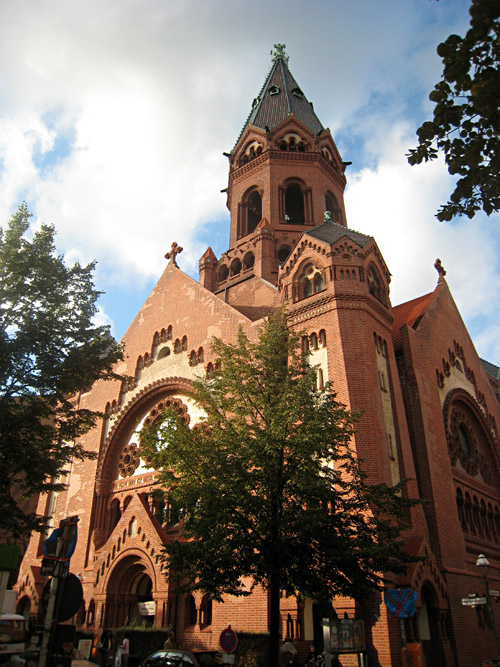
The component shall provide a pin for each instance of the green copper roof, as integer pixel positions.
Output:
(281, 96)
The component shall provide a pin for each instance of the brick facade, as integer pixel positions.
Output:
(429, 412)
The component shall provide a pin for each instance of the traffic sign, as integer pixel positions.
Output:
(228, 640)
(472, 602)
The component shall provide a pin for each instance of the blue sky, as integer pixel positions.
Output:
(114, 116)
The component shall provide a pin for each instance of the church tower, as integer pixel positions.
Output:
(284, 173)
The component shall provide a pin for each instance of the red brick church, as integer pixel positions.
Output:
(429, 404)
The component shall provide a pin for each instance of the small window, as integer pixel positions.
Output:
(235, 267)
(310, 281)
(248, 261)
(206, 612)
(190, 611)
(283, 253)
(298, 93)
(464, 440)
(223, 273)
(274, 90)
(332, 205)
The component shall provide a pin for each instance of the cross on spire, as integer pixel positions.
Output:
(278, 53)
(174, 251)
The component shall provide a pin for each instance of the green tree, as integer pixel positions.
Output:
(271, 488)
(50, 350)
(466, 122)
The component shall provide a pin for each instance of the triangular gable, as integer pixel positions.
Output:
(410, 313)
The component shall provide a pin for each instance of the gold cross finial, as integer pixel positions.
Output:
(174, 251)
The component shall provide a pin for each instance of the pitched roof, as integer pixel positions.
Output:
(409, 313)
(491, 369)
(331, 232)
(279, 97)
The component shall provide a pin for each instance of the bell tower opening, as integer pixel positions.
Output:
(250, 213)
(294, 205)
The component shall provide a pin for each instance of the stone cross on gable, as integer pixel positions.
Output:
(440, 269)
(174, 251)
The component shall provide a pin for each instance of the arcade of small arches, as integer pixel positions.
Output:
(478, 516)
(237, 267)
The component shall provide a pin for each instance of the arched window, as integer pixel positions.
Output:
(248, 261)
(283, 253)
(250, 212)
(206, 612)
(132, 527)
(294, 205)
(223, 273)
(189, 611)
(235, 266)
(460, 509)
(375, 284)
(332, 205)
(310, 281)
(114, 514)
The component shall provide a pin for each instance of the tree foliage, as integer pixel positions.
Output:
(50, 350)
(271, 489)
(466, 122)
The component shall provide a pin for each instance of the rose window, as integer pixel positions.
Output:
(129, 460)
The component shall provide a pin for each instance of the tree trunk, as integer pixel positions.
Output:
(274, 619)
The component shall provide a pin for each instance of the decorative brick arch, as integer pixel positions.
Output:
(145, 400)
(123, 583)
(465, 424)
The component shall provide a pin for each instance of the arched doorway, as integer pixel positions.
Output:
(429, 628)
(129, 594)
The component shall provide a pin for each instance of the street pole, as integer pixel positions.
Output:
(483, 564)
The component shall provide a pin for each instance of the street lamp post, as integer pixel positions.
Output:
(483, 564)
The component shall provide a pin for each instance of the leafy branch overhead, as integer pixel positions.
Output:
(271, 491)
(466, 122)
(50, 349)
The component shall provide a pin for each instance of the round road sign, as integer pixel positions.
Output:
(228, 640)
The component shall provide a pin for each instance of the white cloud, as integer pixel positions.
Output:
(114, 115)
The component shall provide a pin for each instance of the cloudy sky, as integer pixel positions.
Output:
(114, 115)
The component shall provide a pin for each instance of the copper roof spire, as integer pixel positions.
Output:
(280, 97)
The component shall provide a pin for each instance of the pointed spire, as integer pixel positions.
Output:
(280, 97)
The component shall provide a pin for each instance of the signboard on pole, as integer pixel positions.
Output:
(472, 602)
